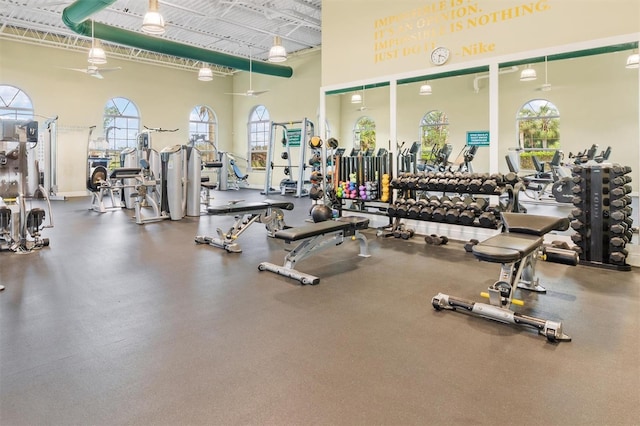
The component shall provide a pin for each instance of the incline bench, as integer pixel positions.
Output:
(517, 251)
(314, 238)
(268, 212)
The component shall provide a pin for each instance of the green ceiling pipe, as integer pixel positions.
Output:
(75, 17)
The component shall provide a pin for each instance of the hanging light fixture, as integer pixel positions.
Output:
(277, 53)
(425, 89)
(153, 22)
(205, 73)
(356, 99)
(528, 74)
(633, 60)
(96, 53)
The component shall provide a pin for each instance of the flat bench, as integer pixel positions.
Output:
(269, 212)
(516, 250)
(313, 238)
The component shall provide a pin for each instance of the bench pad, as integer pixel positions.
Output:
(128, 171)
(506, 248)
(311, 230)
(350, 223)
(533, 224)
(249, 207)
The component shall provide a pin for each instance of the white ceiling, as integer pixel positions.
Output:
(236, 27)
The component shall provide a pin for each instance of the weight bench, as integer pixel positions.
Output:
(516, 250)
(314, 238)
(268, 212)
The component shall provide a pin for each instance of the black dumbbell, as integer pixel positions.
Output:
(448, 203)
(468, 247)
(620, 170)
(618, 258)
(425, 213)
(452, 184)
(452, 215)
(478, 205)
(489, 186)
(577, 225)
(619, 228)
(463, 185)
(618, 215)
(488, 219)
(407, 233)
(475, 185)
(436, 240)
(467, 217)
(617, 242)
(511, 178)
(414, 210)
(439, 214)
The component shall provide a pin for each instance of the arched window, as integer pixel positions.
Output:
(14, 104)
(364, 134)
(434, 133)
(203, 132)
(538, 125)
(121, 123)
(259, 133)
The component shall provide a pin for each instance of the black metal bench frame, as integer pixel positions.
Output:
(517, 251)
(313, 239)
(269, 212)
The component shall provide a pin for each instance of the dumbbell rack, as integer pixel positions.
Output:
(367, 171)
(465, 208)
(602, 214)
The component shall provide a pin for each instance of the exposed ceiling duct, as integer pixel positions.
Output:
(75, 17)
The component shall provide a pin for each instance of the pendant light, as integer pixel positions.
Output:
(633, 60)
(153, 22)
(205, 73)
(96, 53)
(277, 53)
(425, 89)
(528, 74)
(356, 99)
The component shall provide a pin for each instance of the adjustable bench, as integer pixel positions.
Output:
(268, 212)
(516, 250)
(314, 238)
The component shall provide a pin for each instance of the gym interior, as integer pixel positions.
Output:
(325, 276)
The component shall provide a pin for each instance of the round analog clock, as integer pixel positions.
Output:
(440, 55)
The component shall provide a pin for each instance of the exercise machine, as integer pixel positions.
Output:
(517, 250)
(314, 238)
(555, 184)
(294, 135)
(269, 212)
(22, 214)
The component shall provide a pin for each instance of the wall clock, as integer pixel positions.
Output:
(440, 55)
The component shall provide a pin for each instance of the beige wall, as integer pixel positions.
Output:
(287, 100)
(367, 39)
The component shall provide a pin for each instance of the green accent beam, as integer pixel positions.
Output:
(75, 17)
(357, 88)
(576, 54)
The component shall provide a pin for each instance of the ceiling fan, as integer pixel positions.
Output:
(546, 86)
(249, 92)
(364, 106)
(96, 57)
(94, 71)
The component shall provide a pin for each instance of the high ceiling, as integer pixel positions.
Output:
(243, 28)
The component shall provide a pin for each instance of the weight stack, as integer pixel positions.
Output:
(602, 214)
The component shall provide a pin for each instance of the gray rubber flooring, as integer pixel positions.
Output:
(121, 324)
